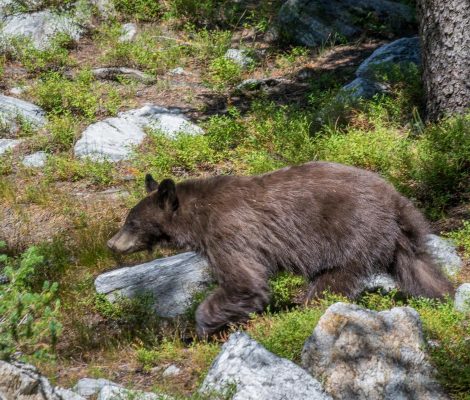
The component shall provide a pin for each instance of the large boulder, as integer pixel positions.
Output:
(314, 22)
(258, 374)
(401, 52)
(113, 139)
(368, 82)
(363, 354)
(173, 282)
(23, 382)
(15, 112)
(39, 28)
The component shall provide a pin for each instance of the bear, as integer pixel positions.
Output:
(331, 223)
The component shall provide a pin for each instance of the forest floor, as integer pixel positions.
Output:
(71, 207)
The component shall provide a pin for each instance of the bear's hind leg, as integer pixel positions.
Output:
(339, 281)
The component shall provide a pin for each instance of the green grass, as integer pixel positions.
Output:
(83, 97)
(55, 57)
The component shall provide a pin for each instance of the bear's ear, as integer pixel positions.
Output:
(166, 195)
(150, 183)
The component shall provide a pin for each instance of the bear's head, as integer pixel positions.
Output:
(145, 224)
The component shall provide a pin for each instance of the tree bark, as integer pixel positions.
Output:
(445, 40)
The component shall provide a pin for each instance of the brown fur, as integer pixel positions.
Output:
(331, 223)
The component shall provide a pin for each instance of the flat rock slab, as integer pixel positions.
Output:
(363, 354)
(8, 144)
(23, 382)
(113, 139)
(14, 111)
(114, 73)
(39, 27)
(314, 22)
(173, 281)
(258, 374)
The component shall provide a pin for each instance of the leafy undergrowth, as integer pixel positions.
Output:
(62, 210)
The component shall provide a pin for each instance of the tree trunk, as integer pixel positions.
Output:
(445, 39)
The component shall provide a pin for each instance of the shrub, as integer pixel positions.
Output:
(441, 162)
(186, 153)
(55, 57)
(462, 237)
(84, 96)
(28, 319)
(285, 290)
(64, 168)
(63, 130)
(140, 10)
(223, 72)
(136, 313)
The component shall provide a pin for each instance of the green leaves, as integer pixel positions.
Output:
(28, 319)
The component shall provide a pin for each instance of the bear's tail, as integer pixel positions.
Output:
(414, 269)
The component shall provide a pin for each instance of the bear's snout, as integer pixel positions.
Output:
(123, 242)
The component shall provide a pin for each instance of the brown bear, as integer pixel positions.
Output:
(331, 223)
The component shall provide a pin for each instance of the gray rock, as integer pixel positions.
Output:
(239, 57)
(113, 139)
(23, 382)
(177, 71)
(173, 281)
(66, 394)
(117, 393)
(259, 84)
(39, 27)
(8, 144)
(360, 88)
(258, 374)
(113, 73)
(4, 279)
(384, 282)
(129, 31)
(14, 111)
(105, 8)
(17, 90)
(314, 22)
(462, 298)
(363, 354)
(10, 7)
(172, 370)
(35, 160)
(88, 387)
(402, 52)
(445, 254)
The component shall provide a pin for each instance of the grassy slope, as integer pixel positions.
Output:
(62, 208)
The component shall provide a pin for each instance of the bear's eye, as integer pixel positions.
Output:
(134, 224)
